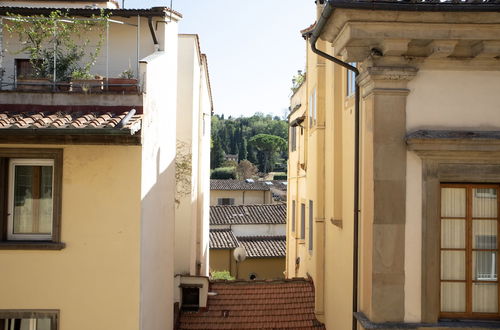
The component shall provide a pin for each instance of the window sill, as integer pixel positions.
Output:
(31, 245)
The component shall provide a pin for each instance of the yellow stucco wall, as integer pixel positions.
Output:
(264, 268)
(321, 171)
(94, 280)
(242, 197)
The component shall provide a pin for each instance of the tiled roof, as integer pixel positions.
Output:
(237, 185)
(421, 5)
(264, 246)
(283, 304)
(248, 214)
(222, 239)
(70, 120)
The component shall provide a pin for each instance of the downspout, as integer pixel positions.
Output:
(323, 19)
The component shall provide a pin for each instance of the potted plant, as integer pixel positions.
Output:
(57, 39)
(83, 81)
(125, 83)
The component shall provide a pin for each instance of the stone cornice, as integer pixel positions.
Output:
(385, 80)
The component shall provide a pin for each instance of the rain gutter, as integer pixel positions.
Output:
(314, 36)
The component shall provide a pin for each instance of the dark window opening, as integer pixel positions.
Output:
(190, 299)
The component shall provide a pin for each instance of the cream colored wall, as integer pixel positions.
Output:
(158, 186)
(241, 197)
(193, 147)
(453, 100)
(95, 280)
(264, 268)
(122, 47)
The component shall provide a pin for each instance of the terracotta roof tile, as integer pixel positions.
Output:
(283, 304)
(222, 239)
(237, 185)
(248, 214)
(67, 120)
(264, 246)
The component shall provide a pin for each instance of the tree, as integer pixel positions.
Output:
(245, 170)
(268, 147)
(217, 155)
(243, 152)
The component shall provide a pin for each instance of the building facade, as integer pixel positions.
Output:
(259, 229)
(414, 244)
(88, 214)
(239, 192)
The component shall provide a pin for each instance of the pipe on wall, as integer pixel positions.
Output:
(314, 36)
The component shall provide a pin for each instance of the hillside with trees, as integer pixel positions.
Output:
(259, 139)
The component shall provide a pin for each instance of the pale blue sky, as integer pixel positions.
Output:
(254, 48)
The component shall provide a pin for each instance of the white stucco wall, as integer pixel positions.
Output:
(158, 186)
(193, 142)
(259, 230)
(440, 100)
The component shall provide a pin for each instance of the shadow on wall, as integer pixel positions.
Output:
(157, 249)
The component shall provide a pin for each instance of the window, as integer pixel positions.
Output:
(469, 250)
(312, 108)
(28, 320)
(31, 189)
(293, 216)
(302, 220)
(225, 201)
(311, 222)
(351, 81)
(190, 298)
(293, 138)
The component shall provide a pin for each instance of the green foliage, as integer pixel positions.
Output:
(269, 147)
(223, 173)
(221, 275)
(297, 80)
(127, 74)
(217, 154)
(60, 36)
(232, 136)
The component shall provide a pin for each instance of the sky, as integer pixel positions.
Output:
(254, 48)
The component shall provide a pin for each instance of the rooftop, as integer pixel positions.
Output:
(419, 5)
(264, 246)
(91, 127)
(237, 185)
(223, 239)
(87, 12)
(248, 214)
(280, 304)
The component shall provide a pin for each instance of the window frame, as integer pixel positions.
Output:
(49, 243)
(230, 199)
(311, 226)
(293, 215)
(469, 249)
(302, 221)
(13, 162)
(52, 314)
(350, 81)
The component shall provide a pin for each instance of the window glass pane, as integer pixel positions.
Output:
(484, 234)
(484, 203)
(43, 324)
(485, 298)
(453, 202)
(484, 265)
(452, 297)
(453, 234)
(32, 212)
(453, 265)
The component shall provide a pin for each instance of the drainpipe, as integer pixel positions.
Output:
(323, 19)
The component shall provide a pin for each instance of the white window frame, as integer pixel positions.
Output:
(13, 162)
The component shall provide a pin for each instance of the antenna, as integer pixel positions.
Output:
(240, 254)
